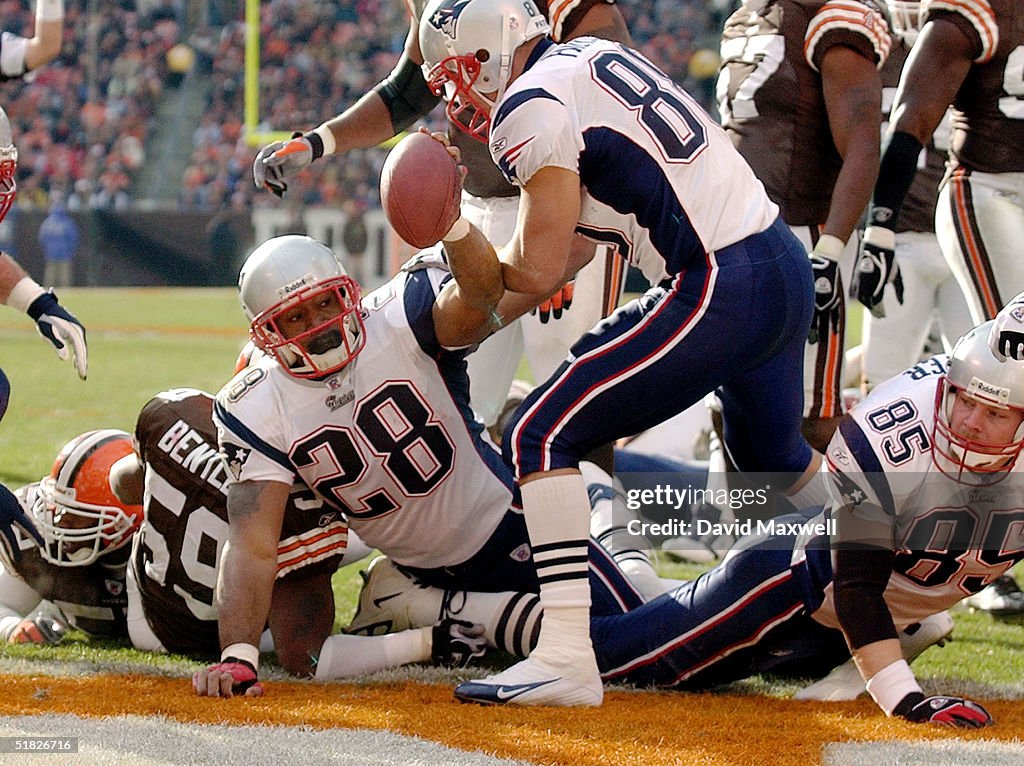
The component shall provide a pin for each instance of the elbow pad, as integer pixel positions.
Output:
(405, 94)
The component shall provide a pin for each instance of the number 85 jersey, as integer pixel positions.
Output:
(951, 539)
(390, 440)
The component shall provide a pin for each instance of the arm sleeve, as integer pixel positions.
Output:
(856, 25)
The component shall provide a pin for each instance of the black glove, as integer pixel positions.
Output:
(283, 159)
(12, 513)
(40, 629)
(876, 268)
(456, 642)
(1006, 338)
(828, 297)
(60, 327)
(947, 711)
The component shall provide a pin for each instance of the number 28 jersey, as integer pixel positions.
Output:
(661, 180)
(389, 441)
(950, 539)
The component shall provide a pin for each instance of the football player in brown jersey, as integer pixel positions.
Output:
(968, 54)
(800, 95)
(489, 201)
(893, 342)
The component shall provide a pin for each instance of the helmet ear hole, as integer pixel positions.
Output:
(482, 55)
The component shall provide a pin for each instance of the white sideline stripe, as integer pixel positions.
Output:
(950, 752)
(140, 740)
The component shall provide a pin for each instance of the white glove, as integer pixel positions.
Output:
(1006, 338)
(60, 327)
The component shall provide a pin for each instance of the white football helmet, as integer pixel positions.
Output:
(975, 370)
(8, 165)
(75, 510)
(467, 48)
(284, 272)
(907, 17)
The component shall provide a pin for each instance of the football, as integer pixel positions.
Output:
(420, 190)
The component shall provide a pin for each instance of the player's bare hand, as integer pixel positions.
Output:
(226, 679)
(442, 138)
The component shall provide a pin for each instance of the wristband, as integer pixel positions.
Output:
(327, 137)
(243, 652)
(891, 684)
(880, 236)
(50, 10)
(459, 230)
(24, 293)
(829, 247)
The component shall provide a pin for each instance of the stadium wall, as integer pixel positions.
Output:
(138, 248)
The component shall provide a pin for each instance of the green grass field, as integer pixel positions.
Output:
(144, 340)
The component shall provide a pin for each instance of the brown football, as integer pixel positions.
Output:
(420, 189)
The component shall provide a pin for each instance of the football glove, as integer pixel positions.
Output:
(40, 629)
(553, 307)
(947, 711)
(243, 678)
(283, 159)
(456, 642)
(876, 268)
(60, 327)
(12, 513)
(828, 297)
(1006, 338)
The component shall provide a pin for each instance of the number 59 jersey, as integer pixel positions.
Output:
(951, 539)
(389, 441)
(661, 180)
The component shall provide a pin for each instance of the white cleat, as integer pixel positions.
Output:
(1003, 598)
(531, 682)
(845, 683)
(391, 601)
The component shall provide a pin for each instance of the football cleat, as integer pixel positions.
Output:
(1003, 598)
(531, 682)
(391, 601)
(845, 682)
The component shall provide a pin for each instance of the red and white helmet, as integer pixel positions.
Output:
(467, 48)
(284, 272)
(75, 509)
(975, 370)
(8, 165)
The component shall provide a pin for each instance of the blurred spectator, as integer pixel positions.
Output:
(59, 237)
(355, 238)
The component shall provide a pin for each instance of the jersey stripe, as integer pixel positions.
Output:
(853, 17)
(982, 18)
(860, 448)
(972, 244)
(516, 100)
(241, 430)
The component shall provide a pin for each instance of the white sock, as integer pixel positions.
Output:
(557, 512)
(342, 655)
(511, 620)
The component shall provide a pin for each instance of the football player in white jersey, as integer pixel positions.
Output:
(488, 200)
(928, 498)
(367, 403)
(603, 144)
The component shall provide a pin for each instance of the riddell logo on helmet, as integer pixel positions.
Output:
(298, 284)
(997, 395)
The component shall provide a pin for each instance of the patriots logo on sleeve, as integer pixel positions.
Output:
(506, 163)
(446, 17)
(235, 458)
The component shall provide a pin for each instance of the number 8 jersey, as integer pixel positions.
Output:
(389, 441)
(661, 180)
